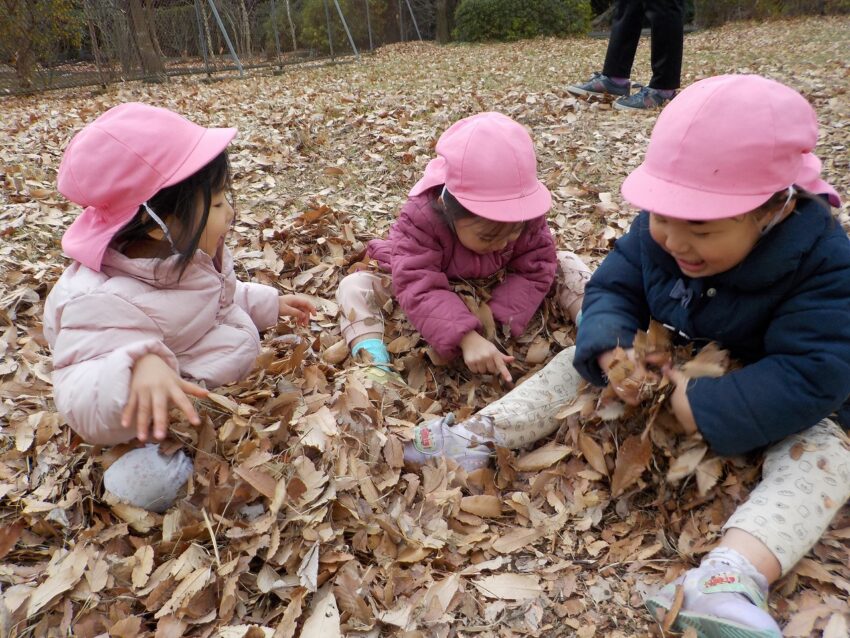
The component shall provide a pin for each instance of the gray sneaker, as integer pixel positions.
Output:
(645, 99)
(599, 86)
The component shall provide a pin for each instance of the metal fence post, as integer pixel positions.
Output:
(330, 34)
(347, 32)
(413, 17)
(274, 30)
(369, 25)
(227, 39)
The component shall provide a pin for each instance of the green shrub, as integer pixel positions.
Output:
(711, 13)
(508, 20)
(314, 26)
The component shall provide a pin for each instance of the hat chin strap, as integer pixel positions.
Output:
(162, 225)
(777, 217)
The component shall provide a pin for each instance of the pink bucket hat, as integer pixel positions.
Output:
(724, 146)
(121, 160)
(487, 163)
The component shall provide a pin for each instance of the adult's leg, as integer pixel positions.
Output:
(666, 21)
(623, 42)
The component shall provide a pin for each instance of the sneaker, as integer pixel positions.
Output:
(599, 86)
(725, 597)
(469, 444)
(645, 99)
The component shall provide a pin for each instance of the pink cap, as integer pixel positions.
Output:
(724, 146)
(121, 160)
(487, 163)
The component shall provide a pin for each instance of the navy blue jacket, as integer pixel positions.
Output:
(784, 312)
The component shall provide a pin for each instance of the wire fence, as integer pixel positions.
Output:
(46, 44)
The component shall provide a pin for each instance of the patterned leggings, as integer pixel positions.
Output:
(805, 477)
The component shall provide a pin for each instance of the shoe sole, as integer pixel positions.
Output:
(585, 93)
(706, 626)
(623, 107)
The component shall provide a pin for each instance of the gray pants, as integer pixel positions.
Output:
(805, 477)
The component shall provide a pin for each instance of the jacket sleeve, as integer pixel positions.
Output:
(804, 377)
(615, 305)
(422, 288)
(530, 274)
(259, 301)
(99, 338)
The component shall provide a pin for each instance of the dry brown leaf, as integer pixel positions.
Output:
(516, 540)
(509, 586)
(542, 457)
(592, 452)
(485, 506)
(686, 463)
(632, 459)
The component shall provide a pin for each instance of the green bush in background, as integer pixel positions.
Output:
(711, 13)
(314, 27)
(509, 20)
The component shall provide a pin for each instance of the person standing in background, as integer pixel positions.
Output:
(666, 22)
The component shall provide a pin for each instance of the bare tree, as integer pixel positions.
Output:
(141, 28)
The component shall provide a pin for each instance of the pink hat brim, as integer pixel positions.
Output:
(518, 209)
(88, 237)
(656, 195)
(210, 144)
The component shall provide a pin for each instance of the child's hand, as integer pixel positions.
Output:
(153, 388)
(297, 307)
(627, 388)
(679, 404)
(482, 357)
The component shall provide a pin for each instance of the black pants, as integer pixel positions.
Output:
(666, 22)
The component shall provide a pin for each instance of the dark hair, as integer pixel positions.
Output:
(178, 202)
(453, 211)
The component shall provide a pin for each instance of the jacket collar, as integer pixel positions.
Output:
(773, 258)
(158, 272)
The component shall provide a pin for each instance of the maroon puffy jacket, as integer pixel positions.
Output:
(423, 254)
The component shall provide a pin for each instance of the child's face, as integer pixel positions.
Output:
(483, 236)
(702, 249)
(218, 222)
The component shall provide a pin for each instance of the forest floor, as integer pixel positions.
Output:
(300, 519)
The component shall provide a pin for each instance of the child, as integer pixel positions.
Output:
(736, 245)
(151, 299)
(479, 210)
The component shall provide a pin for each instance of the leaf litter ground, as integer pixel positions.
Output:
(300, 519)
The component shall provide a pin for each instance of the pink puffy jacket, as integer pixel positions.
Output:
(99, 323)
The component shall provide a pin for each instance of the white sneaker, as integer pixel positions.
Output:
(469, 444)
(725, 597)
(145, 478)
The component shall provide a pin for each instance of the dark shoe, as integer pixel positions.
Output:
(645, 99)
(599, 86)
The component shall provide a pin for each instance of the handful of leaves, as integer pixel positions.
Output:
(650, 426)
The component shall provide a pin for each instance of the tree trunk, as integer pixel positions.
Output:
(246, 29)
(445, 20)
(152, 64)
(149, 19)
(291, 26)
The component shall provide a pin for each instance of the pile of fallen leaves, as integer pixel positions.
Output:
(300, 518)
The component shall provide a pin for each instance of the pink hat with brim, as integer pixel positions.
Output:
(487, 163)
(724, 146)
(121, 160)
